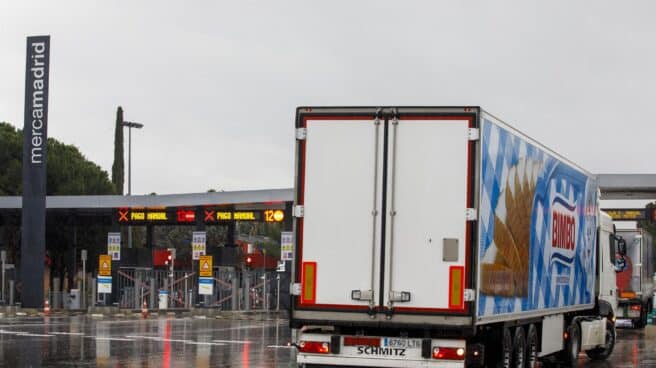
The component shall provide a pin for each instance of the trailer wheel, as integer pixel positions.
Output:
(532, 347)
(642, 320)
(573, 344)
(604, 352)
(504, 359)
(519, 348)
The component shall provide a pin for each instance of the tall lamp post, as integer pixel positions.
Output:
(130, 125)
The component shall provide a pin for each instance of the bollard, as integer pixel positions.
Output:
(3, 258)
(235, 295)
(265, 303)
(137, 287)
(94, 295)
(56, 294)
(186, 300)
(80, 295)
(11, 292)
(153, 291)
(278, 293)
(247, 291)
(166, 287)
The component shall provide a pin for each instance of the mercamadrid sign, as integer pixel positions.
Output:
(35, 138)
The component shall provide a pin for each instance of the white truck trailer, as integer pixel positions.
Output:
(442, 237)
(635, 267)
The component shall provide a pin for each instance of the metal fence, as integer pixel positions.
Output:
(233, 289)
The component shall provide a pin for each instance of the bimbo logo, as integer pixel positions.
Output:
(564, 230)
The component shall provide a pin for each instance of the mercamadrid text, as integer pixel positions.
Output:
(37, 68)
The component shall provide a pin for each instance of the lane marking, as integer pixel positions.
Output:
(67, 333)
(279, 346)
(161, 339)
(103, 338)
(34, 335)
(233, 341)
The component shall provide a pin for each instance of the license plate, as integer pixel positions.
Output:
(388, 348)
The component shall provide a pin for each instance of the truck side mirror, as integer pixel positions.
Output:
(621, 246)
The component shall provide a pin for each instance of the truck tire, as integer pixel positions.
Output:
(642, 321)
(603, 353)
(504, 358)
(572, 345)
(519, 348)
(532, 347)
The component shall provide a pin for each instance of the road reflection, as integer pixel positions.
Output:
(82, 341)
(634, 348)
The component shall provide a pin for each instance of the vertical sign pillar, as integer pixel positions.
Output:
(35, 137)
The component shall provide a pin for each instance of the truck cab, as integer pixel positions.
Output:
(634, 266)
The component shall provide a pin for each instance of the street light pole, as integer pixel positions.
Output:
(130, 125)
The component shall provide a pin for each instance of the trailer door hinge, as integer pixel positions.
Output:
(470, 295)
(473, 134)
(295, 288)
(471, 214)
(301, 134)
(298, 211)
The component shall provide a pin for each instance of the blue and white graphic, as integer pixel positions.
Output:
(537, 228)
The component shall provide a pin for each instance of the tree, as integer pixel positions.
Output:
(11, 151)
(118, 168)
(68, 171)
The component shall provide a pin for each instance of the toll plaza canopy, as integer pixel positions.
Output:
(273, 197)
(627, 186)
(77, 224)
(83, 221)
(68, 216)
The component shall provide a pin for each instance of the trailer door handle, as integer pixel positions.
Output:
(400, 296)
(362, 295)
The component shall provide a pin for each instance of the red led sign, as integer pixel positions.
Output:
(186, 215)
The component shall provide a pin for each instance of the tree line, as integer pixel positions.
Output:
(68, 171)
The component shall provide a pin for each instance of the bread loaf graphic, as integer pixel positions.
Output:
(505, 265)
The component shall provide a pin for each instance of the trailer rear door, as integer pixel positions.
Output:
(428, 190)
(336, 235)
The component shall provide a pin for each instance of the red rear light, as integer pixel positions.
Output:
(635, 307)
(361, 341)
(316, 347)
(440, 352)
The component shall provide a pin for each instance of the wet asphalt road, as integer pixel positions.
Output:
(84, 342)
(80, 341)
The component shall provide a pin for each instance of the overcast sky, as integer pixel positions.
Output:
(216, 83)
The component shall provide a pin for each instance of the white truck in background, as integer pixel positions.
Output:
(443, 237)
(635, 267)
